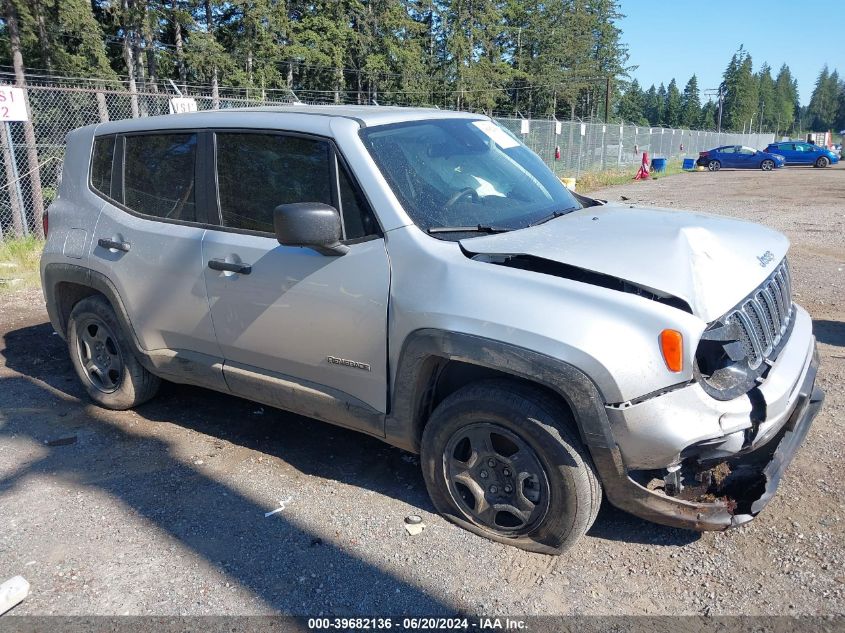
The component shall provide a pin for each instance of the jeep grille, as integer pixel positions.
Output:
(732, 353)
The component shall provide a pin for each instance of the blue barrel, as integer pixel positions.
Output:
(689, 163)
(659, 164)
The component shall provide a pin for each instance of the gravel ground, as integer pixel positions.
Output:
(162, 510)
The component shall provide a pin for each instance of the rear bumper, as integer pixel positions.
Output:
(754, 477)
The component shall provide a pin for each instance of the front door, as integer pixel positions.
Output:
(294, 313)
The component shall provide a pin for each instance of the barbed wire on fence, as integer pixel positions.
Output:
(58, 106)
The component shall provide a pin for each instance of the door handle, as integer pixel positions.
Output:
(114, 245)
(232, 267)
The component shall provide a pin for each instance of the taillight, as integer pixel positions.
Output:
(703, 153)
(45, 222)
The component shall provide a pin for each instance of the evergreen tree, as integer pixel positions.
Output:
(785, 99)
(767, 107)
(740, 85)
(672, 118)
(824, 103)
(652, 106)
(631, 107)
(661, 106)
(691, 104)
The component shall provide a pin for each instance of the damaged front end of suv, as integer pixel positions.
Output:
(755, 377)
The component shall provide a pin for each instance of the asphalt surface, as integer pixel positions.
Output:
(162, 510)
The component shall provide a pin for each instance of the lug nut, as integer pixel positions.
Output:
(483, 474)
(491, 463)
(506, 472)
(494, 489)
(509, 489)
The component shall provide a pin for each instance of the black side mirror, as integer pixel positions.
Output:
(310, 224)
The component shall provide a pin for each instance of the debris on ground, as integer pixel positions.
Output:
(282, 506)
(414, 524)
(12, 593)
(62, 441)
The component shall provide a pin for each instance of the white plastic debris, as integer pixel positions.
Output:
(282, 505)
(414, 525)
(12, 592)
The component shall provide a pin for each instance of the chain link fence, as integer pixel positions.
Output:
(32, 151)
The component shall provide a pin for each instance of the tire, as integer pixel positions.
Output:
(466, 457)
(823, 162)
(714, 165)
(767, 165)
(103, 357)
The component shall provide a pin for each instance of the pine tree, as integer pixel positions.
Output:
(824, 102)
(785, 99)
(691, 104)
(673, 105)
(652, 106)
(740, 104)
(766, 109)
(631, 107)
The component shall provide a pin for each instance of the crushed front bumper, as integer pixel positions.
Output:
(758, 474)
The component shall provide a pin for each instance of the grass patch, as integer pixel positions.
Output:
(19, 263)
(591, 181)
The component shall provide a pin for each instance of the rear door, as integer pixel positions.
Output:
(727, 156)
(296, 314)
(148, 240)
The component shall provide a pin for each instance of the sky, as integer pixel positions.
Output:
(676, 38)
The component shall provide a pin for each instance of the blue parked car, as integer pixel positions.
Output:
(739, 157)
(800, 153)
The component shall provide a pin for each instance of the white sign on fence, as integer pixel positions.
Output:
(558, 127)
(583, 129)
(524, 126)
(179, 105)
(12, 104)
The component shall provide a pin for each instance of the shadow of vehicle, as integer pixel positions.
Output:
(829, 332)
(293, 567)
(213, 519)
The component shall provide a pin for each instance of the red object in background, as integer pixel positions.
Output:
(45, 222)
(557, 152)
(642, 174)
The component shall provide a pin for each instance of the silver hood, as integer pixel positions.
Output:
(711, 262)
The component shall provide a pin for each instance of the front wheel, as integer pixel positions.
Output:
(823, 161)
(767, 165)
(103, 357)
(503, 461)
(714, 165)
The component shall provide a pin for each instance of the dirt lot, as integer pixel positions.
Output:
(162, 510)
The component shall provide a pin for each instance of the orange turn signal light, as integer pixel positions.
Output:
(672, 346)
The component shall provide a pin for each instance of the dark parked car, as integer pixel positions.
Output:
(799, 153)
(739, 157)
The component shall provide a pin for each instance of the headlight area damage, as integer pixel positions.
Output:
(719, 494)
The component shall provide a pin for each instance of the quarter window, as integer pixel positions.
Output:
(101, 164)
(358, 219)
(258, 172)
(159, 173)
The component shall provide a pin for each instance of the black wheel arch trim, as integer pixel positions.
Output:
(423, 350)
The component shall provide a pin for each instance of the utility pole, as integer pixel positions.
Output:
(720, 91)
(607, 101)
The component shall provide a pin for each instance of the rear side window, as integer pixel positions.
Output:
(258, 172)
(101, 164)
(159, 173)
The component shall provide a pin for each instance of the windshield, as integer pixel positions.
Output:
(465, 173)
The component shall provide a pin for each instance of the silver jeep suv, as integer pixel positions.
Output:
(421, 276)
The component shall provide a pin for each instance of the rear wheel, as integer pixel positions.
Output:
(103, 358)
(767, 165)
(502, 460)
(714, 165)
(823, 161)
